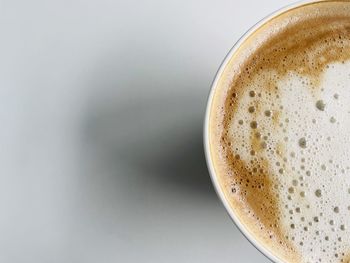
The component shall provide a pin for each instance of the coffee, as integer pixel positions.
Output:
(279, 132)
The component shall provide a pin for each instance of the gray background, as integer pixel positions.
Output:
(101, 110)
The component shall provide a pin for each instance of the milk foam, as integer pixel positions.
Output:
(307, 150)
(280, 133)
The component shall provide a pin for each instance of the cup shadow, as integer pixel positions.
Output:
(169, 151)
(157, 134)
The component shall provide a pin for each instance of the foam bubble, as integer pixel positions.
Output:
(320, 105)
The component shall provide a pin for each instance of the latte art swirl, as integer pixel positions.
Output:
(280, 133)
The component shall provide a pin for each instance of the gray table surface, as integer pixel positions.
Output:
(101, 109)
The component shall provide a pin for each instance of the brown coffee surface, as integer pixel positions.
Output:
(301, 42)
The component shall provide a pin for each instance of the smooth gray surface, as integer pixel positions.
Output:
(101, 106)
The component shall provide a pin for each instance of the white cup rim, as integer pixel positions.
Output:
(210, 165)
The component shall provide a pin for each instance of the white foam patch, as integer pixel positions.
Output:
(308, 151)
